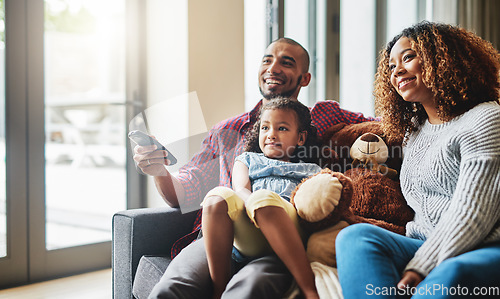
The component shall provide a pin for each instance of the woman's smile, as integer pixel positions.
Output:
(406, 74)
(402, 83)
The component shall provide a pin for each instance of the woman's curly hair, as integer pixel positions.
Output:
(305, 153)
(460, 68)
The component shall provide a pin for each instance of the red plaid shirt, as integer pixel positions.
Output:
(213, 164)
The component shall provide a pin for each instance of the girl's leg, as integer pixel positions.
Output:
(262, 277)
(370, 260)
(281, 232)
(221, 208)
(218, 234)
(471, 274)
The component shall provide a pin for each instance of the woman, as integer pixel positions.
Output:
(438, 85)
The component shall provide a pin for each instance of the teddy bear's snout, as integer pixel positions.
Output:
(369, 137)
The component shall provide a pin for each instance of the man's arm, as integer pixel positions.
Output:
(328, 113)
(194, 179)
(170, 189)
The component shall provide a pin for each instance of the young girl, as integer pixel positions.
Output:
(439, 85)
(255, 218)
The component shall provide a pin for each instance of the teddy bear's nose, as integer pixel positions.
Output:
(369, 137)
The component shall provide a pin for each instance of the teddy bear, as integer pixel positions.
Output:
(359, 185)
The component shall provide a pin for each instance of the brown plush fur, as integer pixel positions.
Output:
(378, 200)
(371, 197)
(366, 196)
(341, 136)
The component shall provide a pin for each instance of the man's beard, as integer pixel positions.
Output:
(285, 94)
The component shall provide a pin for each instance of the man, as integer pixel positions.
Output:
(284, 71)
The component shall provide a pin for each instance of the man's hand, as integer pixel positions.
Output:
(410, 279)
(150, 160)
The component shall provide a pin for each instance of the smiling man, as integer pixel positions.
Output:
(284, 70)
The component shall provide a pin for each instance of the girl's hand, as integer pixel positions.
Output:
(410, 279)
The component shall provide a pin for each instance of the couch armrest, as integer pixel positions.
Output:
(138, 232)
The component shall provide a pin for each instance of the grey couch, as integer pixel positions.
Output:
(142, 239)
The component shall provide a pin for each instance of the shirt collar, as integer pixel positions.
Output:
(251, 117)
(254, 113)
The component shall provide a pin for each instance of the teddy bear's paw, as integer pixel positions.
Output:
(317, 197)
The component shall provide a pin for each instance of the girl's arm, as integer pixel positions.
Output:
(241, 180)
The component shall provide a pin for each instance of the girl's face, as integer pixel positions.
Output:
(406, 74)
(279, 134)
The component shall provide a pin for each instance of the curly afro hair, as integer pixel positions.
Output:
(310, 151)
(460, 68)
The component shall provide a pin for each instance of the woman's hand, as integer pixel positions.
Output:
(410, 279)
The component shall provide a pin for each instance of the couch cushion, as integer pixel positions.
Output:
(149, 272)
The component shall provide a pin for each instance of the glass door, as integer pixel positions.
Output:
(13, 145)
(85, 149)
(83, 153)
(3, 201)
(63, 120)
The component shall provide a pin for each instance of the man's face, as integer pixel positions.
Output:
(283, 71)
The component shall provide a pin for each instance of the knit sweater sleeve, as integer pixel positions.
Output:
(474, 209)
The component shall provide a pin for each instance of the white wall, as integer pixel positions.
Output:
(216, 57)
(194, 47)
(255, 45)
(357, 65)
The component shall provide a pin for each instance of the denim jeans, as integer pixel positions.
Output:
(371, 261)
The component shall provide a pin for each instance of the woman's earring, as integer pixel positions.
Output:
(414, 106)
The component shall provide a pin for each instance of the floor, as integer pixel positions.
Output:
(95, 285)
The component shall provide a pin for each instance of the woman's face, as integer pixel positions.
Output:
(406, 74)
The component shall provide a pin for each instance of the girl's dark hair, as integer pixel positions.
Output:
(460, 68)
(310, 152)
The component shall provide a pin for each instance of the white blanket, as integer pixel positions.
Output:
(327, 282)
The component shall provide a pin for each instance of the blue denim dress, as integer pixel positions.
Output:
(275, 175)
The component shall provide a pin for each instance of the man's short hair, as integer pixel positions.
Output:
(294, 43)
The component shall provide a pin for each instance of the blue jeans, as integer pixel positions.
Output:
(371, 261)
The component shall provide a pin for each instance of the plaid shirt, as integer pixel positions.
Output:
(213, 164)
